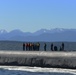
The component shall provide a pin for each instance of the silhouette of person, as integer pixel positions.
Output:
(62, 46)
(52, 47)
(30, 46)
(33, 46)
(23, 46)
(44, 46)
(26, 46)
(38, 46)
(55, 48)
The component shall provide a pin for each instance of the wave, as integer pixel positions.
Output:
(24, 70)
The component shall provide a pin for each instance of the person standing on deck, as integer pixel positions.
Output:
(55, 48)
(44, 46)
(26, 46)
(37, 46)
(52, 47)
(62, 46)
(30, 46)
(33, 46)
(23, 46)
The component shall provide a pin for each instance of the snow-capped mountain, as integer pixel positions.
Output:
(56, 30)
(2, 31)
(57, 34)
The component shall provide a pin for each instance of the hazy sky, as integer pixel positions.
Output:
(32, 15)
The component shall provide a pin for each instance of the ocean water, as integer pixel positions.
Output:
(24, 70)
(18, 46)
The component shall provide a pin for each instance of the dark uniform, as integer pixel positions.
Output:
(62, 46)
(23, 46)
(44, 46)
(52, 47)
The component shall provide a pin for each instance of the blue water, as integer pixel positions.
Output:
(15, 72)
(18, 46)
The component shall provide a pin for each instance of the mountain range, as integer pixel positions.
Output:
(57, 34)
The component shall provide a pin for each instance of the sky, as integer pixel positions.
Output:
(32, 15)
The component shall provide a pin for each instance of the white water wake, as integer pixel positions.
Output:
(23, 70)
